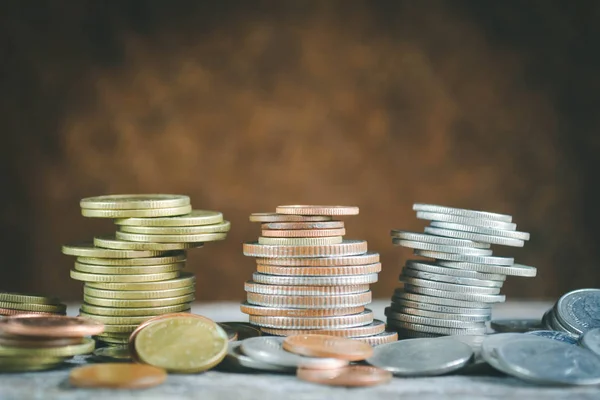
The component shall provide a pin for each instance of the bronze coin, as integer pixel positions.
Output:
(328, 346)
(353, 375)
(117, 375)
(50, 326)
(36, 341)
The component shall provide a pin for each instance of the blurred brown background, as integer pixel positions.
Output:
(244, 105)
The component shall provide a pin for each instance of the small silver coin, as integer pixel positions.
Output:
(463, 212)
(486, 223)
(513, 270)
(473, 341)
(429, 321)
(345, 280)
(433, 239)
(516, 325)
(554, 335)
(421, 357)
(438, 315)
(269, 350)
(400, 303)
(548, 361)
(503, 241)
(579, 310)
(451, 279)
(432, 299)
(450, 287)
(475, 297)
(491, 260)
(237, 359)
(481, 230)
(434, 268)
(441, 247)
(591, 340)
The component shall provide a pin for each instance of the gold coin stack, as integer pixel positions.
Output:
(135, 274)
(309, 279)
(13, 304)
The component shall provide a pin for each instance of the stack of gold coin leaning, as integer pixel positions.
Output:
(309, 279)
(136, 273)
(37, 342)
(454, 293)
(13, 304)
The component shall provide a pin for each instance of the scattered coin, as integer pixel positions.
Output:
(327, 346)
(554, 335)
(516, 325)
(579, 310)
(237, 359)
(117, 376)
(350, 376)
(491, 343)
(591, 340)
(232, 334)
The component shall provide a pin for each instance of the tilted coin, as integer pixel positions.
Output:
(591, 340)
(317, 210)
(119, 376)
(513, 270)
(133, 303)
(137, 294)
(167, 258)
(303, 225)
(128, 270)
(314, 280)
(132, 312)
(270, 350)
(481, 230)
(350, 376)
(138, 213)
(237, 359)
(199, 238)
(310, 241)
(274, 217)
(441, 247)
(516, 325)
(361, 259)
(450, 287)
(243, 329)
(194, 218)
(421, 357)
(49, 308)
(475, 297)
(28, 298)
(395, 308)
(310, 302)
(395, 324)
(327, 346)
(178, 230)
(302, 233)
(113, 353)
(433, 239)
(504, 241)
(450, 279)
(184, 344)
(579, 310)
(143, 324)
(134, 201)
(375, 328)
(399, 304)
(109, 242)
(335, 322)
(50, 326)
(461, 212)
(435, 268)
(493, 260)
(320, 271)
(487, 223)
(89, 250)
(382, 338)
(185, 279)
(553, 323)
(554, 335)
(430, 321)
(136, 278)
(252, 309)
(85, 347)
(254, 287)
(429, 299)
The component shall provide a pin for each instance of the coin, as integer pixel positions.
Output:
(399, 304)
(356, 332)
(185, 279)
(128, 270)
(352, 375)
(434, 268)
(486, 223)
(421, 357)
(491, 343)
(320, 271)
(253, 287)
(133, 278)
(310, 302)
(320, 241)
(10, 313)
(48, 308)
(120, 328)
(554, 335)
(252, 309)
(36, 342)
(119, 341)
(504, 241)
(475, 297)
(382, 338)
(450, 279)
(438, 255)
(334, 322)
(85, 347)
(514, 270)
(461, 212)
(428, 299)
(361, 259)
(441, 247)
(89, 250)
(303, 233)
(243, 329)
(394, 316)
(516, 325)
(184, 344)
(237, 359)
(317, 210)
(30, 363)
(178, 230)
(168, 258)
(424, 283)
(28, 298)
(314, 280)
(137, 294)
(395, 309)
(427, 238)
(270, 350)
(481, 230)
(132, 312)
(50, 326)
(591, 340)
(273, 217)
(109, 242)
(138, 213)
(327, 346)
(395, 324)
(578, 310)
(324, 225)
(119, 320)
(117, 376)
(194, 218)
(199, 238)
(113, 353)
(133, 303)
(134, 201)
(232, 334)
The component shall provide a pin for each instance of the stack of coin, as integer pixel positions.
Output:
(13, 304)
(309, 279)
(574, 313)
(453, 294)
(35, 342)
(135, 274)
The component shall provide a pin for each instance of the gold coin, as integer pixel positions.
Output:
(129, 270)
(137, 294)
(134, 201)
(50, 308)
(113, 353)
(86, 347)
(310, 302)
(302, 233)
(28, 298)
(194, 218)
(132, 312)
(346, 248)
(113, 340)
(273, 217)
(201, 238)
(120, 328)
(89, 250)
(362, 259)
(182, 344)
(178, 230)
(109, 242)
(117, 335)
(147, 213)
(284, 241)
(303, 225)
(173, 257)
(96, 301)
(118, 320)
(87, 277)
(317, 210)
(185, 279)
(29, 368)
(17, 361)
(319, 271)
(252, 309)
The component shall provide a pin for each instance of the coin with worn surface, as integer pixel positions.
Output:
(504, 241)
(113, 353)
(328, 346)
(127, 303)
(137, 213)
(110, 242)
(184, 344)
(237, 359)
(302, 241)
(462, 212)
(28, 298)
(117, 376)
(270, 350)
(421, 357)
(433, 239)
(50, 326)
(302, 233)
(303, 225)
(374, 328)
(137, 294)
(128, 270)
(450, 287)
(335, 322)
(198, 238)
(381, 338)
(514, 270)
(252, 309)
(85, 347)
(317, 210)
(591, 340)
(493, 260)
(244, 329)
(134, 201)
(487, 223)
(554, 335)
(361, 259)
(579, 310)
(254, 287)
(482, 298)
(131, 312)
(194, 218)
(516, 325)
(320, 271)
(434, 268)
(441, 247)
(89, 250)
(310, 302)
(185, 279)
(274, 217)
(481, 230)
(178, 230)
(350, 376)
(456, 280)
(167, 258)
(351, 280)
(133, 278)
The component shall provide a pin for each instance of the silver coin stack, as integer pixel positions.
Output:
(309, 279)
(454, 293)
(574, 313)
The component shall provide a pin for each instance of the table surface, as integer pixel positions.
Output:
(220, 385)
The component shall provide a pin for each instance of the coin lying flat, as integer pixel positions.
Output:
(185, 279)
(329, 261)
(481, 230)
(48, 308)
(579, 310)
(167, 258)
(320, 271)
(128, 270)
(591, 341)
(132, 312)
(302, 233)
(493, 260)
(433, 239)
(435, 268)
(350, 376)
(237, 359)
(117, 375)
(109, 242)
(441, 247)
(554, 335)
(221, 227)
(194, 218)
(314, 280)
(135, 303)
(491, 343)
(450, 279)
(335, 322)
(252, 309)
(514, 269)
(89, 250)
(432, 321)
(450, 287)
(421, 357)
(134, 201)
(120, 320)
(504, 241)
(399, 303)
(302, 241)
(50, 326)
(346, 248)
(461, 212)
(310, 302)
(375, 328)
(85, 347)
(317, 210)
(418, 312)
(198, 238)
(412, 326)
(137, 294)
(516, 325)
(327, 346)
(133, 278)
(30, 363)
(379, 339)
(254, 287)
(482, 298)
(28, 298)
(303, 225)
(113, 354)
(274, 217)
(486, 223)
(429, 299)
(137, 213)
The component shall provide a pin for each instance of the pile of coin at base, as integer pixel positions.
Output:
(135, 274)
(38, 342)
(453, 295)
(574, 313)
(14, 304)
(310, 279)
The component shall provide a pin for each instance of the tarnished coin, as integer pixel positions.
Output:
(28, 298)
(110, 242)
(117, 375)
(317, 210)
(513, 270)
(461, 212)
(480, 298)
(481, 230)
(131, 312)
(350, 280)
(167, 258)
(361, 259)
(134, 278)
(455, 280)
(254, 287)
(493, 260)
(504, 241)
(382, 338)
(221, 227)
(374, 328)
(516, 325)
(350, 376)
(185, 279)
(252, 309)
(421, 357)
(136, 303)
(310, 302)
(237, 359)
(199, 238)
(320, 271)
(137, 294)
(335, 322)
(85, 347)
(134, 201)
(433, 239)
(113, 353)
(328, 346)
(303, 225)
(303, 241)
(435, 268)
(579, 310)
(449, 287)
(194, 218)
(270, 350)
(591, 340)
(50, 326)
(487, 223)
(274, 217)
(89, 250)
(128, 270)
(554, 335)
(441, 247)
(244, 329)
(138, 213)
(302, 233)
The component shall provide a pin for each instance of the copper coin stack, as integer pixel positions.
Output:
(14, 304)
(135, 274)
(309, 279)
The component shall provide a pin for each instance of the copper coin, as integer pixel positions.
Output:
(117, 375)
(36, 342)
(328, 346)
(51, 326)
(317, 210)
(303, 225)
(353, 375)
(303, 233)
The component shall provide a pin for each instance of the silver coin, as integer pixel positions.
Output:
(486, 223)
(579, 310)
(396, 324)
(451, 279)
(481, 230)
(591, 340)
(421, 357)
(334, 322)
(314, 280)
(269, 350)
(411, 244)
(238, 360)
(466, 258)
(461, 212)
(448, 286)
(546, 321)
(554, 335)
(438, 315)
(557, 325)
(410, 334)
(473, 341)
(513, 270)
(433, 239)
(434, 268)
(516, 325)
(444, 323)
(491, 343)
(399, 303)
(448, 294)
(432, 299)
(475, 236)
(549, 362)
